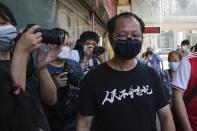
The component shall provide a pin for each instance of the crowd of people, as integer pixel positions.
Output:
(60, 88)
(178, 82)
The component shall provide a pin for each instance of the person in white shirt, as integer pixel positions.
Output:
(89, 58)
(185, 47)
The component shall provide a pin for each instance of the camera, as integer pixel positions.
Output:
(98, 50)
(49, 36)
(73, 78)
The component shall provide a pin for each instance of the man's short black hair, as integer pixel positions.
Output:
(6, 14)
(185, 42)
(60, 29)
(89, 35)
(112, 22)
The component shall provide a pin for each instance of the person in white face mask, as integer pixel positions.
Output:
(31, 78)
(185, 47)
(174, 59)
(66, 73)
(85, 47)
(7, 34)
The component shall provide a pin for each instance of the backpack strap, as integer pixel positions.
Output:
(190, 96)
(95, 62)
(65, 64)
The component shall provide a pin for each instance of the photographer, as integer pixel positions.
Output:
(90, 54)
(66, 74)
(40, 89)
(17, 104)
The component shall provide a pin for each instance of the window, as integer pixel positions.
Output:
(180, 7)
(41, 12)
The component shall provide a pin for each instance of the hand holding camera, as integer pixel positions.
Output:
(29, 41)
(53, 36)
(101, 58)
(61, 79)
(94, 50)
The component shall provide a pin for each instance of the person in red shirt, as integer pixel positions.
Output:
(183, 83)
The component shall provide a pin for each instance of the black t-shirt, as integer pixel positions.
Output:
(62, 116)
(122, 100)
(33, 92)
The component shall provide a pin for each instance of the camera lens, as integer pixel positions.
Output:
(98, 50)
(49, 36)
(52, 36)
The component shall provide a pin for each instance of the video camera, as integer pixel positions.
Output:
(49, 36)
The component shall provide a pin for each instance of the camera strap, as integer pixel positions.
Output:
(95, 62)
(65, 64)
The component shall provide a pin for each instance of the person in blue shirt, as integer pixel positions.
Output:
(156, 61)
(66, 73)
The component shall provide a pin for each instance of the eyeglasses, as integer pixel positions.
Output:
(126, 36)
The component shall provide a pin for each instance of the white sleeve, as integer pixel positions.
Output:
(183, 73)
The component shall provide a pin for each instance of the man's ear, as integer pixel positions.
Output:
(142, 39)
(110, 39)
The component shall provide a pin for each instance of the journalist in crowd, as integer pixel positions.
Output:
(32, 77)
(66, 74)
(90, 54)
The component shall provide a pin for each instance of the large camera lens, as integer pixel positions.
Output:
(98, 50)
(50, 36)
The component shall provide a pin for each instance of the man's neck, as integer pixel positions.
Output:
(122, 65)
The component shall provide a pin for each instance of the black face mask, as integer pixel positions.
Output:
(127, 49)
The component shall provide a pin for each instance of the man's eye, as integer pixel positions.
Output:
(122, 35)
(135, 35)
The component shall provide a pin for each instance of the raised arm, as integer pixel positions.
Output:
(28, 42)
(48, 88)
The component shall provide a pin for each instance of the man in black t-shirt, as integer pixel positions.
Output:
(122, 94)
